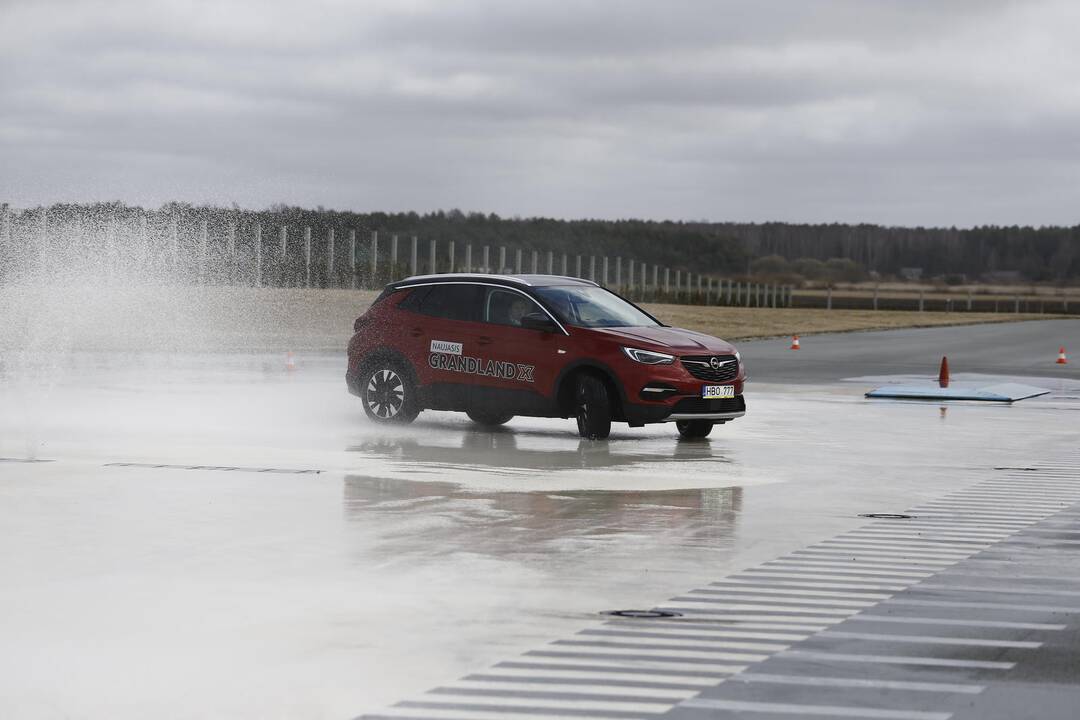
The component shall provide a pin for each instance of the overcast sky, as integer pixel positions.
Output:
(906, 112)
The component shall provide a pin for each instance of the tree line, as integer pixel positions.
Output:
(1041, 254)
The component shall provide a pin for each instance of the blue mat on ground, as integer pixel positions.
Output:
(1004, 392)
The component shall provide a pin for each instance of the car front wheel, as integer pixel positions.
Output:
(593, 408)
(694, 428)
(389, 394)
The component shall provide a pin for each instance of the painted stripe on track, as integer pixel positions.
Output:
(804, 710)
(859, 683)
(896, 659)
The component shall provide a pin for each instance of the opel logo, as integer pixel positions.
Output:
(716, 363)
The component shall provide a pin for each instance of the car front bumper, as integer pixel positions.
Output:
(685, 408)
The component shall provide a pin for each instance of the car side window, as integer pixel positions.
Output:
(505, 307)
(412, 300)
(453, 302)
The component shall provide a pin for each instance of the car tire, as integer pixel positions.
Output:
(388, 393)
(592, 406)
(489, 419)
(692, 429)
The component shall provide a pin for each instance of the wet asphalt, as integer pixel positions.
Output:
(212, 535)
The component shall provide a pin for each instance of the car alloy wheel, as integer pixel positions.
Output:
(384, 395)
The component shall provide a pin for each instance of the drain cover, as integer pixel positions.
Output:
(644, 614)
(887, 516)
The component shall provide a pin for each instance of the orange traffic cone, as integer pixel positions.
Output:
(794, 342)
(943, 373)
(290, 363)
(1061, 356)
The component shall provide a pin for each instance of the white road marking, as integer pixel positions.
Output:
(641, 659)
(905, 619)
(876, 570)
(982, 605)
(694, 633)
(857, 683)
(803, 710)
(719, 598)
(864, 555)
(774, 589)
(1011, 590)
(896, 659)
(616, 693)
(824, 582)
(929, 639)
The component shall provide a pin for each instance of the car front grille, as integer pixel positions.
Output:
(701, 405)
(700, 366)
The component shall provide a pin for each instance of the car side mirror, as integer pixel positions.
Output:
(538, 321)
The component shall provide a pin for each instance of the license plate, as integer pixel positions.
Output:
(713, 392)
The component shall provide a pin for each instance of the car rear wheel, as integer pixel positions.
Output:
(694, 428)
(389, 393)
(490, 419)
(593, 408)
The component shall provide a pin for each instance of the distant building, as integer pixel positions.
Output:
(911, 273)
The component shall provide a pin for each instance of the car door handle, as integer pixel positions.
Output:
(484, 340)
(416, 331)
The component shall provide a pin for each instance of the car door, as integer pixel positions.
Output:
(529, 358)
(444, 332)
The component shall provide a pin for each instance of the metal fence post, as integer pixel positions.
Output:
(630, 274)
(577, 267)
(922, 300)
(1016, 304)
(330, 259)
(432, 264)
(487, 259)
(230, 249)
(374, 258)
(828, 300)
(678, 285)
(969, 300)
(450, 250)
(393, 257)
(618, 271)
(604, 272)
(414, 258)
(876, 297)
(352, 259)
(502, 260)
(550, 263)
(667, 281)
(258, 254)
(307, 257)
(592, 268)
(535, 262)
(468, 258)
(204, 242)
(5, 237)
(564, 266)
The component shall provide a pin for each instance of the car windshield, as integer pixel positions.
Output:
(593, 307)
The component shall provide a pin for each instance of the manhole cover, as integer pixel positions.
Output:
(644, 614)
(887, 516)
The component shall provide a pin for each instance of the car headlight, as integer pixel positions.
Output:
(648, 357)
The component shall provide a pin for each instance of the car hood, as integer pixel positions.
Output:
(671, 338)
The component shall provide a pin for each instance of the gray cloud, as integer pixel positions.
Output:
(896, 111)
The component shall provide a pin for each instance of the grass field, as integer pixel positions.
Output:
(205, 319)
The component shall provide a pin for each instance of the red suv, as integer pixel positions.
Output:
(496, 346)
